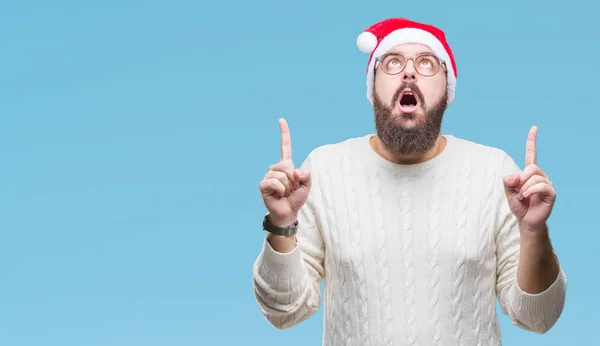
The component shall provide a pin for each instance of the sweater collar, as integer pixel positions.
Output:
(372, 156)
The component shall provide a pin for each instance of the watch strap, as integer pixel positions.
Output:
(284, 231)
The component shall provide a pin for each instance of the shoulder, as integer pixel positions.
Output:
(483, 155)
(333, 152)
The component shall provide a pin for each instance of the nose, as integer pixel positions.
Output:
(409, 74)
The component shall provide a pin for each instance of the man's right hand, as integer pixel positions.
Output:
(284, 188)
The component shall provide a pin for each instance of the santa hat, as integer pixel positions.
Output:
(384, 35)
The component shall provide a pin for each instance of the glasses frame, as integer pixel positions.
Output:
(379, 60)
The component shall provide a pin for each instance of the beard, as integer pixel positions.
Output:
(401, 139)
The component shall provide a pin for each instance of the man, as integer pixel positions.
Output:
(416, 234)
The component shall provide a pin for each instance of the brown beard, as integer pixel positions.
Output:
(401, 140)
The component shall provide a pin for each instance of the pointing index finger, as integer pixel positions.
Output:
(530, 150)
(286, 140)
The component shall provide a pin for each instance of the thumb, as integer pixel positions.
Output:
(303, 177)
(511, 181)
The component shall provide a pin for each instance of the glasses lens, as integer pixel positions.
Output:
(393, 63)
(427, 65)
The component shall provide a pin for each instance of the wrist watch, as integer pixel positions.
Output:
(284, 231)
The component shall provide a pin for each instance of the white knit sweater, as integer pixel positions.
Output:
(410, 254)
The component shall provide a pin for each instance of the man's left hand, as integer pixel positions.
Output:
(530, 193)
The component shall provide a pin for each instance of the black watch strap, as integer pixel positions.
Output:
(284, 231)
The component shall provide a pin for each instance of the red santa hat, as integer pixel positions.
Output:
(386, 34)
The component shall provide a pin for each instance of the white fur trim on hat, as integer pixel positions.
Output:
(411, 35)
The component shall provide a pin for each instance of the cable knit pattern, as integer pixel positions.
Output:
(339, 310)
(460, 255)
(433, 251)
(406, 227)
(410, 254)
(381, 260)
(482, 286)
(356, 247)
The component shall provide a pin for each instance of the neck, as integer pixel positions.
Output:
(408, 159)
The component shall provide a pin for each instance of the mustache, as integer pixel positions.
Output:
(411, 86)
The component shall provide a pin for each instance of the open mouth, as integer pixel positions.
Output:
(408, 101)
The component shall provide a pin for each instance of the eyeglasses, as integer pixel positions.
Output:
(426, 64)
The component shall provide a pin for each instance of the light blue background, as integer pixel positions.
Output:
(133, 136)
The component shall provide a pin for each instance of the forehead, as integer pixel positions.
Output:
(411, 49)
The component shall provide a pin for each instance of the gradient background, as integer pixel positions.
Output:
(133, 136)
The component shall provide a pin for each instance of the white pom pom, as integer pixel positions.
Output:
(366, 42)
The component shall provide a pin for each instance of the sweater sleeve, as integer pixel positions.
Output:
(287, 286)
(532, 312)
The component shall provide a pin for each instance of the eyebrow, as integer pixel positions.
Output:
(419, 53)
